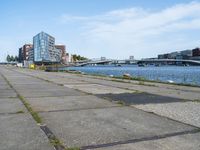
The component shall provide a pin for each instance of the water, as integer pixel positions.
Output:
(177, 74)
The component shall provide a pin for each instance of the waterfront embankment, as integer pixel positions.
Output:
(47, 110)
(175, 74)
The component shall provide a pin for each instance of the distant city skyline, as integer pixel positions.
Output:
(101, 28)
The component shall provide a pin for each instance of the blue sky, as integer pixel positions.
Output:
(95, 28)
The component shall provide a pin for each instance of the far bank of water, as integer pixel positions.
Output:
(177, 74)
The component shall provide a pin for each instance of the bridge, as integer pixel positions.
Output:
(169, 61)
(93, 62)
(139, 62)
(8, 63)
(104, 61)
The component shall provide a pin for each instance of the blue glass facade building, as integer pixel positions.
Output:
(44, 48)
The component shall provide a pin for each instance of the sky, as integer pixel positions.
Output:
(113, 29)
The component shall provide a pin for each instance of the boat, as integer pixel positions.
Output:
(141, 65)
(118, 65)
(157, 65)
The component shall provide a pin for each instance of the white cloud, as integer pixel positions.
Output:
(152, 21)
(65, 18)
(115, 15)
(140, 32)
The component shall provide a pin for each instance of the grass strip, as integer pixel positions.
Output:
(34, 114)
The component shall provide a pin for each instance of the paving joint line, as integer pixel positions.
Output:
(51, 96)
(132, 141)
(12, 113)
(184, 90)
(4, 97)
(63, 110)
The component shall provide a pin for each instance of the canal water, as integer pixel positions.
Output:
(176, 74)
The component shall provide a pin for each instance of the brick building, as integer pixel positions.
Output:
(63, 52)
(196, 52)
(24, 52)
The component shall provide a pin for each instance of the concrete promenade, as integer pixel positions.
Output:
(53, 110)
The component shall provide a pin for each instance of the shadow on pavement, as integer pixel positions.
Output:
(139, 98)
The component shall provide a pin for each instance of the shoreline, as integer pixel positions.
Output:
(125, 79)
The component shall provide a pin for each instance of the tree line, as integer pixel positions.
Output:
(11, 58)
(78, 57)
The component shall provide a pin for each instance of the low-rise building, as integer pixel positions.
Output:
(173, 55)
(24, 52)
(103, 58)
(186, 54)
(131, 57)
(160, 56)
(195, 58)
(62, 48)
(196, 52)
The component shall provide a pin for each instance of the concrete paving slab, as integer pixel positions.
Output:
(140, 98)
(2, 82)
(20, 78)
(187, 112)
(25, 79)
(7, 93)
(11, 105)
(4, 87)
(35, 86)
(100, 126)
(27, 82)
(50, 93)
(175, 91)
(168, 92)
(97, 89)
(68, 103)
(181, 142)
(60, 80)
(20, 132)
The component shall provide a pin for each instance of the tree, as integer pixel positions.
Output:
(12, 58)
(74, 57)
(16, 59)
(8, 58)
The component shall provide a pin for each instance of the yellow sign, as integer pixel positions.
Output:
(32, 66)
